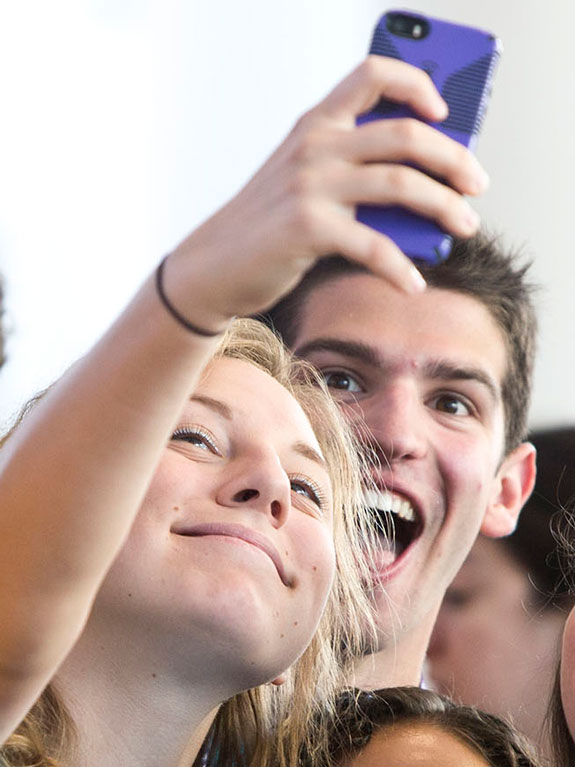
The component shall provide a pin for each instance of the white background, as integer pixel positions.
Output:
(124, 123)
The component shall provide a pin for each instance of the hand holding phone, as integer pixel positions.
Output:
(461, 62)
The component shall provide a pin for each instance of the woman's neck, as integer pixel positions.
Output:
(133, 707)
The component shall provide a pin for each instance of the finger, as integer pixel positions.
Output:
(410, 140)
(387, 184)
(376, 252)
(379, 77)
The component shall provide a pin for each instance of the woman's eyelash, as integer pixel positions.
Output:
(199, 434)
(314, 491)
(196, 434)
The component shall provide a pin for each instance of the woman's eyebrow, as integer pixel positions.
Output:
(213, 404)
(220, 407)
(308, 452)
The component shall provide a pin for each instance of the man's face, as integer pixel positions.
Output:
(420, 378)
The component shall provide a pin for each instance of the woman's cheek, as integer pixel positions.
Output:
(318, 558)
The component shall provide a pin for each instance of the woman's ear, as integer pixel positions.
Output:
(279, 680)
(512, 486)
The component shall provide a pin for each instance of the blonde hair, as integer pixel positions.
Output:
(269, 725)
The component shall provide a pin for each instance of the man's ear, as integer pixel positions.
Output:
(512, 486)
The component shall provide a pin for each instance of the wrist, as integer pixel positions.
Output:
(205, 330)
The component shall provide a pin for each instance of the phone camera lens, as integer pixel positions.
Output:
(405, 25)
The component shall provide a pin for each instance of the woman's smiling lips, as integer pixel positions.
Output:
(246, 534)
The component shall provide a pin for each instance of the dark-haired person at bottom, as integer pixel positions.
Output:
(496, 641)
(409, 727)
(437, 384)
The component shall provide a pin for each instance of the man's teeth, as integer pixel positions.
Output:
(386, 501)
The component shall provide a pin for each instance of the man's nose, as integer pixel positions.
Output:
(395, 418)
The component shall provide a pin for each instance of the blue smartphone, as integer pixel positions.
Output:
(461, 62)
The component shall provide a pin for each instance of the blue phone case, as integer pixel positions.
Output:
(461, 62)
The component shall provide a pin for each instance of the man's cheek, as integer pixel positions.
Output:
(467, 467)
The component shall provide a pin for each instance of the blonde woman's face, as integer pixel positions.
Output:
(233, 546)
(416, 745)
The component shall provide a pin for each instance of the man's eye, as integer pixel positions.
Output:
(338, 379)
(449, 403)
(196, 437)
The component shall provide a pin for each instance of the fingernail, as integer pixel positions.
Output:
(472, 220)
(481, 179)
(442, 110)
(418, 284)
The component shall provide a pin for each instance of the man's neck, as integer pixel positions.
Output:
(398, 662)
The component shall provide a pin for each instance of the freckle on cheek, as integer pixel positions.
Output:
(176, 508)
(314, 568)
(281, 636)
(295, 623)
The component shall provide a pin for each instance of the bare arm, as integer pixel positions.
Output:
(75, 472)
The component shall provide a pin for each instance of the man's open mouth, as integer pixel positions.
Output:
(397, 522)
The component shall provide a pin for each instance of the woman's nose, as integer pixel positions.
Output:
(258, 484)
(246, 495)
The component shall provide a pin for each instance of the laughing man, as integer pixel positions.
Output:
(436, 382)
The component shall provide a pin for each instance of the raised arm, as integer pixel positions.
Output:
(75, 472)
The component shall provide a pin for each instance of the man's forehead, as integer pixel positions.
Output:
(439, 331)
(374, 295)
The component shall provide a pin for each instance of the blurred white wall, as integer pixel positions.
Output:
(124, 123)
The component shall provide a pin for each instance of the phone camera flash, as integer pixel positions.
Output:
(417, 30)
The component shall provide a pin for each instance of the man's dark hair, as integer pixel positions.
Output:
(360, 715)
(478, 267)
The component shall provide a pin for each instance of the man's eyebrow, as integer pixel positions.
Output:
(447, 371)
(436, 369)
(213, 404)
(308, 452)
(356, 349)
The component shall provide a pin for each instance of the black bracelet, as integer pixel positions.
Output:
(173, 311)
